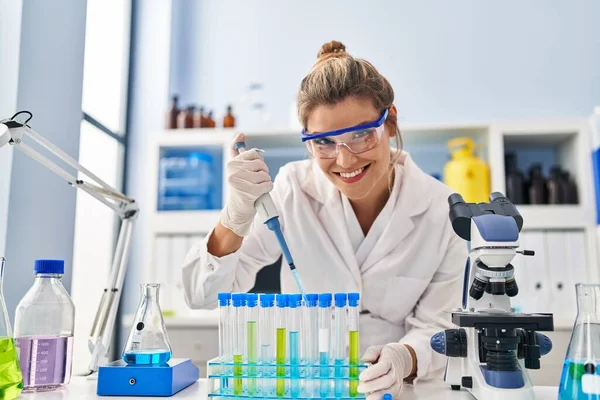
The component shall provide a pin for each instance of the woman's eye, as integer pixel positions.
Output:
(363, 134)
(323, 142)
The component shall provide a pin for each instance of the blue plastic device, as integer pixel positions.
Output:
(120, 379)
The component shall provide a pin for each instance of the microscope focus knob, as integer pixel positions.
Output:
(451, 342)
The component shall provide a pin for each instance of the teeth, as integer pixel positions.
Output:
(351, 174)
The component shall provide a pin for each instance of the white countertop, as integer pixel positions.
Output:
(82, 388)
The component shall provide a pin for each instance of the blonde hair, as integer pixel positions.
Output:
(337, 76)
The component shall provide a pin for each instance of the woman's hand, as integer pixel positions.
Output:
(248, 178)
(391, 364)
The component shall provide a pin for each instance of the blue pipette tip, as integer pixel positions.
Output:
(387, 396)
(237, 146)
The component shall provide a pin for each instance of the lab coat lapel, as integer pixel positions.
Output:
(414, 199)
(332, 219)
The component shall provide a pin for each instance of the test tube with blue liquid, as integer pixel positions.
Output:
(267, 339)
(280, 345)
(311, 342)
(239, 327)
(252, 340)
(225, 345)
(353, 340)
(324, 341)
(295, 321)
(339, 341)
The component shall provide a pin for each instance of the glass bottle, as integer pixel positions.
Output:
(44, 326)
(515, 181)
(581, 376)
(229, 119)
(11, 380)
(538, 193)
(556, 186)
(570, 189)
(171, 117)
(198, 118)
(210, 120)
(148, 343)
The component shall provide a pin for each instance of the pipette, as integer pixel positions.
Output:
(266, 210)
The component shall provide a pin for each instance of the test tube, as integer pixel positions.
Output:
(353, 340)
(280, 347)
(267, 336)
(340, 341)
(224, 336)
(311, 342)
(239, 328)
(324, 339)
(295, 322)
(252, 340)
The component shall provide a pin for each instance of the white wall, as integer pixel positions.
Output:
(447, 60)
(41, 211)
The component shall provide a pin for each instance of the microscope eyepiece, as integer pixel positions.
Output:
(454, 199)
(498, 197)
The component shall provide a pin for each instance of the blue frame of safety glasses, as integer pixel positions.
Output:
(375, 124)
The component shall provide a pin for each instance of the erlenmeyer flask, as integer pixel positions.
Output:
(581, 373)
(148, 343)
(11, 379)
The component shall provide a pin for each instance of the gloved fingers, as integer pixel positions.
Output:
(376, 370)
(254, 165)
(372, 354)
(250, 188)
(253, 177)
(382, 383)
(394, 390)
(240, 137)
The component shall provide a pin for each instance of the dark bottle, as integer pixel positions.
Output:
(185, 118)
(538, 191)
(228, 119)
(556, 186)
(210, 121)
(203, 118)
(570, 189)
(198, 118)
(515, 180)
(171, 117)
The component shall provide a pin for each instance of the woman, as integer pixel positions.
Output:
(358, 216)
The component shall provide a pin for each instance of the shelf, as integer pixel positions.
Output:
(555, 217)
(185, 222)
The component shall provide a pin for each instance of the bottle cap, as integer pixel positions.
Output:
(312, 300)
(251, 299)
(224, 299)
(282, 300)
(353, 299)
(340, 299)
(49, 267)
(238, 299)
(267, 300)
(295, 300)
(325, 300)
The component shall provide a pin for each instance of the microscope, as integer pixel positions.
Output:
(492, 346)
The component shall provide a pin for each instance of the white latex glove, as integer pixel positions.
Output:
(391, 364)
(248, 178)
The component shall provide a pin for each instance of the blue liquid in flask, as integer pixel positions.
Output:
(147, 357)
(579, 381)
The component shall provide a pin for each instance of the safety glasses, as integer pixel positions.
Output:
(357, 139)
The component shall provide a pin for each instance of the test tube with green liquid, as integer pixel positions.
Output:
(239, 335)
(252, 340)
(353, 340)
(280, 343)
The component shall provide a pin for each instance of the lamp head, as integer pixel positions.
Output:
(4, 134)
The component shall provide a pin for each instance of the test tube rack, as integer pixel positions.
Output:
(227, 380)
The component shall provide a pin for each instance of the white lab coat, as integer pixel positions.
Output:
(408, 269)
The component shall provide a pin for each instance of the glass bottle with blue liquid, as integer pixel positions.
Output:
(581, 375)
(148, 343)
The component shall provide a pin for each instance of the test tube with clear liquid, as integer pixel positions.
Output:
(339, 332)
(252, 340)
(267, 342)
(280, 345)
(311, 343)
(324, 341)
(239, 335)
(353, 313)
(295, 323)
(225, 345)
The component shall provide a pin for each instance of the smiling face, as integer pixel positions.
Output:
(357, 176)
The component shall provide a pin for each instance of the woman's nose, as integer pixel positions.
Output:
(345, 158)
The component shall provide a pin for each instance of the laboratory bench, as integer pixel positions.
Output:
(83, 388)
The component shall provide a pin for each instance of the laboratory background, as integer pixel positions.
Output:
(148, 95)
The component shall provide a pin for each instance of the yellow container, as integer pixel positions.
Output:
(467, 174)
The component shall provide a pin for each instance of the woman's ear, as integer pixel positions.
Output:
(392, 120)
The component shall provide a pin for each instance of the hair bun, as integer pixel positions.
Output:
(333, 47)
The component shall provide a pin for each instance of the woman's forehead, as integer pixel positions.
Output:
(351, 112)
